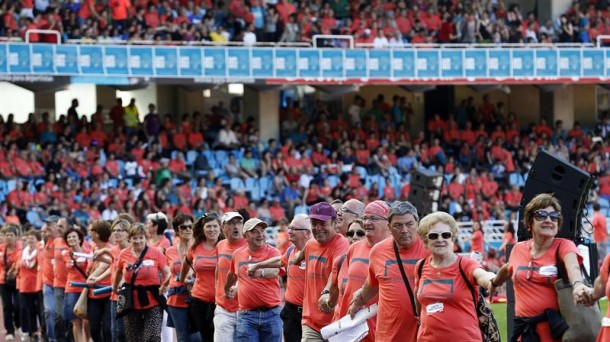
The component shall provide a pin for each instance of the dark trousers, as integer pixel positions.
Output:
(63, 328)
(203, 314)
(10, 308)
(291, 316)
(30, 312)
(98, 312)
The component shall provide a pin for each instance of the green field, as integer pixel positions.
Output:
(500, 313)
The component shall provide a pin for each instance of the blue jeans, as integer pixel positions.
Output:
(118, 324)
(181, 322)
(49, 311)
(263, 326)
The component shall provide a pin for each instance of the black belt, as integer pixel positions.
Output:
(264, 308)
(294, 307)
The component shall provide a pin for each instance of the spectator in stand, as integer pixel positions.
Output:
(600, 231)
(131, 118)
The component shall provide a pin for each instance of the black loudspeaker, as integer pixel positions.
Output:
(427, 179)
(425, 191)
(569, 184)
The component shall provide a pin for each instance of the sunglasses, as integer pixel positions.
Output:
(185, 226)
(530, 270)
(541, 215)
(351, 233)
(296, 229)
(444, 235)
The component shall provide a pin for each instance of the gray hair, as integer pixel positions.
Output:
(302, 220)
(356, 206)
(402, 208)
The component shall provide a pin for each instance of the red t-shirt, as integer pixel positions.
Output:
(319, 260)
(28, 272)
(225, 255)
(204, 263)
(116, 252)
(447, 309)
(600, 230)
(477, 242)
(59, 265)
(148, 274)
(537, 294)
(73, 275)
(604, 271)
(102, 282)
(163, 244)
(397, 315)
(295, 286)
(47, 263)
(174, 261)
(255, 292)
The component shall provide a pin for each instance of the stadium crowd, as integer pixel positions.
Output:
(377, 23)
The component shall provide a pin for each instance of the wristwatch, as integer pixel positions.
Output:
(324, 292)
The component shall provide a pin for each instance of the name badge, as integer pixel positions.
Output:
(549, 270)
(434, 308)
(81, 259)
(148, 262)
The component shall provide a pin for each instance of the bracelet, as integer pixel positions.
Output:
(262, 273)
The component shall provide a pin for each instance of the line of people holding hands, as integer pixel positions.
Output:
(217, 279)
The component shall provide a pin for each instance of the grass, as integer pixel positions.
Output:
(501, 315)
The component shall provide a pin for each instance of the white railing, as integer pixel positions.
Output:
(600, 38)
(348, 38)
(185, 43)
(40, 31)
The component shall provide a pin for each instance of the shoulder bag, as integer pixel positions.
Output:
(124, 303)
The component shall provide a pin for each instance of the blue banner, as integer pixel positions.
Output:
(141, 61)
(332, 63)
(545, 64)
(239, 62)
(116, 60)
(523, 63)
(569, 63)
(403, 63)
(189, 62)
(19, 58)
(309, 64)
(355, 64)
(475, 63)
(593, 63)
(90, 60)
(452, 64)
(214, 62)
(166, 61)
(66, 59)
(262, 63)
(427, 64)
(380, 63)
(3, 60)
(286, 63)
(499, 63)
(42, 59)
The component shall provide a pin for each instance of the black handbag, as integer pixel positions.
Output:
(124, 303)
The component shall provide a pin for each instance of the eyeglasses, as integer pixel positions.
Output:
(530, 270)
(185, 226)
(296, 229)
(373, 218)
(541, 215)
(444, 235)
(344, 210)
(351, 233)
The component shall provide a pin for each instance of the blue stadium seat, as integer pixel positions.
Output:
(265, 186)
(301, 209)
(11, 184)
(113, 183)
(3, 188)
(250, 183)
(33, 218)
(333, 181)
(255, 192)
(121, 167)
(209, 155)
(221, 157)
(237, 184)
(129, 183)
(191, 156)
(362, 171)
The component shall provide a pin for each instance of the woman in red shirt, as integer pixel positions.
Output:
(9, 256)
(144, 322)
(98, 306)
(177, 296)
(156, 224)
(75, 269)
(202, 258)
(29, 265)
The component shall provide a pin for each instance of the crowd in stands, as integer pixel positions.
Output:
(98, 167)
(376, 23)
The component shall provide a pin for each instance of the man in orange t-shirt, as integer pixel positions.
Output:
(258, 292)
(60, 276)
(396, 318)
(225, 314)
(50, 233)
(319, 254)
(299, 232)
(600, 231)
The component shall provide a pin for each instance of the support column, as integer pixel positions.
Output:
(45, 102)
(585, 104)
(189, 101)
(265, 107)
(563, 106)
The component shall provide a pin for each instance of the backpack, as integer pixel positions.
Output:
(487, 322)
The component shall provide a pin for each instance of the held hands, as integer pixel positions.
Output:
(252, 268)
(583, 294)
(323, 303)
(231, 293)
(92, 281)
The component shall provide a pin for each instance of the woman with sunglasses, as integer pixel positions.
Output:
(202, 258)
(178, 296)
(355, 231)
(442, 293)
(533, 268)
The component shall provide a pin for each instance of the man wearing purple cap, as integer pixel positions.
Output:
(319, 255)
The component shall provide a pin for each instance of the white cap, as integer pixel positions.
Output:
(230, 215)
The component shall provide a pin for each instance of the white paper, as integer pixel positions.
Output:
(350, 330)
(83, 255)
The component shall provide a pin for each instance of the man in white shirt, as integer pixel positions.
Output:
(249, 36)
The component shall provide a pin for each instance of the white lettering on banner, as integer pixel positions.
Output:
(303, 64)
(564, 63)
(422, 64)
(233, 64)
(160, 62)
(184, 62)
(26, 78)
(110, 61)
(280, 63)
(36, 59)
(13, 58)
(223, 80)
(494, 64)
(540, 63)
(446, 64)
(84, 60)
(470, 64)
(327, 63)
(208, 62)
(60, 60)
(517, 63)
(257, 63)
(135, 62)
(398, 64)
(587, 63)
(374, 64)
(350, 64)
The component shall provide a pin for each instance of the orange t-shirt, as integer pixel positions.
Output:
(477, 242)
(604, 334)
(339, 277)
(148, 274)
(444, 296)
(319, 260)
(537, 294)
(204, 263)
(255, 292)
(73, 274)
(397, 315)
(225, 255)
(28, 273)
(11, 258)
(163, 244)
(174, 261)
(39, 260)
(295, 286)
(47, 264)
(600, 229)
(115, 252)
(103, 282)
(59, 265)
(357, 268)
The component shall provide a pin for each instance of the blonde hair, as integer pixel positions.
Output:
(138, 229)
(438, 217)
